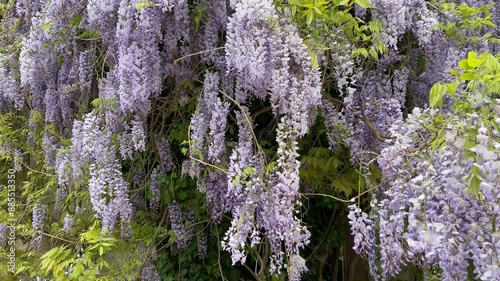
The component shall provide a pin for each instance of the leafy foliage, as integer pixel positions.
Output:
(224, 140)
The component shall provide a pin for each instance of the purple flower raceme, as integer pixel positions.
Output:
(268, 62)
(177, 222)
(3, 235)
(108, 194)
(400, 16)
(245, 187)
(215, 187)
(379, 102)
(218, 111)
(139, 71)
(208, 124)
(149, 272)
(92, 147)
(155, 188)
(212, 28)
(39, 213)
(85, 69)
(102, 15)
(247, 44)
(68, 223)
(164, 153)
(335, 123)
(447, 198)
(132, 140)
(10, 91)
(49, 148)
(90, 143)
(362, 229)
(202, 245)
(197, 149)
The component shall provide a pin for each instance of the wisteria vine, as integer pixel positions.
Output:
(127, 106)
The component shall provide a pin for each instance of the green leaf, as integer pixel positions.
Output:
(475, 170)
(314, 59)
(76, 20)
(472, 60)
(473, 187)
(436, 95)
(360, 52)
(46, 26)
(363, 3)
(143, 4)
(452, 87)
(182, 195)
(248, 171)
(471, 55)
(454, 72)
(310, 17)
(467, 76)
(463, 64)
(469, 144)
(373, 53)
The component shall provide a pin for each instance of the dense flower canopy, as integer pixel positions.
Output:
(160, 122)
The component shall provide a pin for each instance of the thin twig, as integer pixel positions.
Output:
(249, 123)
(377, 134)
(198, 53)
(343, 200)
(35, 171)
(59, 238)
(218, 253)
(208, 164)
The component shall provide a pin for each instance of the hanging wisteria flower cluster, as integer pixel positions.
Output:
(439, 205)
(266, 61)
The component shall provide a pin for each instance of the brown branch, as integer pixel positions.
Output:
(376, 133)
(336, 101)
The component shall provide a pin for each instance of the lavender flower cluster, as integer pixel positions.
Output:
(164, 154)
(155, 188)
(149, 272)
(362, 230)
(3, 235)
(379, 102)
(92, 147)
(39, 213)
(68, 223)
(215, 187)
(202, 245)
(448, 199)
(209, 123)
(401, 16)
(268, 62)
(11, 95)
(178, 223)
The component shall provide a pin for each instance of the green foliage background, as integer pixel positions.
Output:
(329, 180)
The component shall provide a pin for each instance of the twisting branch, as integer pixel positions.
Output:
(208, 164)
(376, 133)
(198, 53)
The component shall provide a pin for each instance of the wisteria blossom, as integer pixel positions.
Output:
(160, 122)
